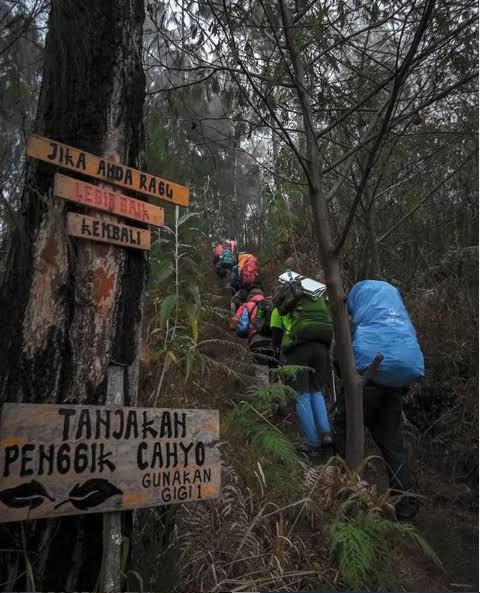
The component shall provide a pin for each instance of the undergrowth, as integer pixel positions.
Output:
(279, 523)
(363, 544)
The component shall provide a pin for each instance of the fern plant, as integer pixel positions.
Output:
(253, 418)
(266, 435)
(362, 543)
(289, 371)
(264, 395)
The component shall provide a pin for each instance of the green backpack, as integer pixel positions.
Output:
(311, 321)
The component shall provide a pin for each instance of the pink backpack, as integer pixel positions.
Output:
(248, 273)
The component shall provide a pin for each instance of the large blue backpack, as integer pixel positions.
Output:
(381, 325)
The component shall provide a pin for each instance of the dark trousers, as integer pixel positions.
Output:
(314, 355)
(382, 410)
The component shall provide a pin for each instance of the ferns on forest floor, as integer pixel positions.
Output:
(252, 417)
(260, 431)
(363, 544)
(268, 394)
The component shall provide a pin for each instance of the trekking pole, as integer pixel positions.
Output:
(333, 385)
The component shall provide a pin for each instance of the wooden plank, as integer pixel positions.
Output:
(86, 163)
(102, 198)
(68, 460)
(95, 229)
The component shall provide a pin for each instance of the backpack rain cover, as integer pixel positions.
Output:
(381, 325)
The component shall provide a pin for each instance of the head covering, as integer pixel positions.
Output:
(255, 292)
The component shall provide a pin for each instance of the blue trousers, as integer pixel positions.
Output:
(313, 416)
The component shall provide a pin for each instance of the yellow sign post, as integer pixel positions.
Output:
(69, 459)
(85, 163)
(101, 198)
(105, 231)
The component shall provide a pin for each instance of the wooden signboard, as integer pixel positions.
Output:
(104, 199)
(67, 460)
(105, 231)
(83, 162)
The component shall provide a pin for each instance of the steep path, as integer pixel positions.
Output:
(254, 537)
(446, 524)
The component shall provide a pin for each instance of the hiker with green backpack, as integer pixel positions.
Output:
(302, 332)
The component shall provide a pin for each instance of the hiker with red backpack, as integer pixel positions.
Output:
(252, 321)
(244, 278)
(301, 333)
(245, 273)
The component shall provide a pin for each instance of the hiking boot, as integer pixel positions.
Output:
(407, 508)
(308, 449)
(314, 451)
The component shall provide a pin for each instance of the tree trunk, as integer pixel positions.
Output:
(68, 308)
(353, 382)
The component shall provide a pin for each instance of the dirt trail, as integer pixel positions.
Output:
(452, 532)
(445, 521)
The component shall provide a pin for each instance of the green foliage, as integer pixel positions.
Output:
(289, 371)
(265, 435)
(354, 551)
(266, 394)
(252, 418)
(363, 543)
(167, 308)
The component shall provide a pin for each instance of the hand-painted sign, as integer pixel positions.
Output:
(83, 162)
(106, 231)
(103, 199)
(66, 460)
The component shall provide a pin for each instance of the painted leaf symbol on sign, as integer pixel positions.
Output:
(90, 494)
(30, 494)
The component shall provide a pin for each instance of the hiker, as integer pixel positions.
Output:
(252, 321)
(226, 261)
(245, 274)
(302, 331)
(381, 325)
(239, 298)
(217, 252)
(232, 245)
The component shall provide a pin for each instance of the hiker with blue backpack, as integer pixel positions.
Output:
(302, 332)
(380, 324)
(227, 259)
(252, 321)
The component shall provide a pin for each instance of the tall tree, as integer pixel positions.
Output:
(339, 83)
(69, 310)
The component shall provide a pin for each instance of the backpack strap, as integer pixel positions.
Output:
(251, 307)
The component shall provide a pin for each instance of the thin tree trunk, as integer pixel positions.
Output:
(373, 266)
(68, 309)
(353, 382)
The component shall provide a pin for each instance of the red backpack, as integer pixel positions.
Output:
(252, 306)
(248, 273)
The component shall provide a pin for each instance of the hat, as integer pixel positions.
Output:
(255, 292)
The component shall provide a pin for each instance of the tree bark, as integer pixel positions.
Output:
(329, 259)
(68, 308)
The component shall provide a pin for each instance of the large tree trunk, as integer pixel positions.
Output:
(68, 308)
